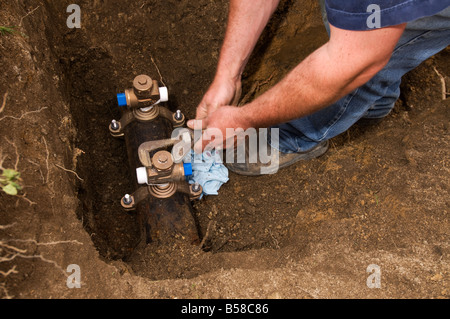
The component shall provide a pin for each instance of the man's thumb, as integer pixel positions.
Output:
(197, 124)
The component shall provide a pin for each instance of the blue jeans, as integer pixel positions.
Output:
(422, 39)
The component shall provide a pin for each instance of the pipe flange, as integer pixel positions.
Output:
(163, 190)
(147, 115)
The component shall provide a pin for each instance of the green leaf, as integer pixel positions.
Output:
(16, 185)
(7, 30)
(10, 174)
(10, 189)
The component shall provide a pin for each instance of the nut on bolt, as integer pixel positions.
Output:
(114, 125)
(178, 115)
(127, 199)
(196, 187)
(196, 191)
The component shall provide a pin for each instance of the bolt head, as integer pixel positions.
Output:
(163, 158)
(142, 83)
(114, 125)
(178, 115)
(196, 187)
(127, 200)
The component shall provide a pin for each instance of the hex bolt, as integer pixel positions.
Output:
(196, 187)
(114, 125)
(142, 81)
(163, 158)
(142, 85)
(178, 115)
(127, 200)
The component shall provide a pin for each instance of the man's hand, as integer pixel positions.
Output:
(221, 92)
(216, 124)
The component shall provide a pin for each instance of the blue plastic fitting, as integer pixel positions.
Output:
(187, 169)
(121, 99)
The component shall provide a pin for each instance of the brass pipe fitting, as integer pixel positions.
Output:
(163, 170)
(143, 94)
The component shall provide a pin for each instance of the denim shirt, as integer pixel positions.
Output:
(369, 14)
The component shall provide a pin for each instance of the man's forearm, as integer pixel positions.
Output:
(348, 61)
(246, 21)
(306, 89)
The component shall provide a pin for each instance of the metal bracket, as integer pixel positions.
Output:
(146, 148)
(160, 191)
(116, 128)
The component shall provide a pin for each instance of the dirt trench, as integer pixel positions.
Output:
(379, 196)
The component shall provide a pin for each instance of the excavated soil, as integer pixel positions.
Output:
(380, 195)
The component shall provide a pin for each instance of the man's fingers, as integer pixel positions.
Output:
(211, 138)
(190, 124)
(202, 111)
(197, 124)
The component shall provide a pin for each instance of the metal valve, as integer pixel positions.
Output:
(144, 93)
(164, 170)
(142, 104)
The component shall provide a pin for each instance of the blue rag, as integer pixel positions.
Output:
(207, 170)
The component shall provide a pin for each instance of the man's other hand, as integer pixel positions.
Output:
(221, 92)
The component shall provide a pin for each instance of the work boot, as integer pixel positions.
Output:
(277, 160)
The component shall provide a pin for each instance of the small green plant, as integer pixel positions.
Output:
(9, 181)
(7, 30)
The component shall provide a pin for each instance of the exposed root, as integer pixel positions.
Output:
(5, 291)
(2, 159)
(157, 69)
(25, 198)
(4, 102)
(9, 272)
(40, 257)
(443, 85)
(29, 13)
(23, 115)
(40, 170)
(10, 253)
(16, 164)
(51, 243)
(68, 170)
(211, 227)
(2, 227)
(46, 159)
(274, 240)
